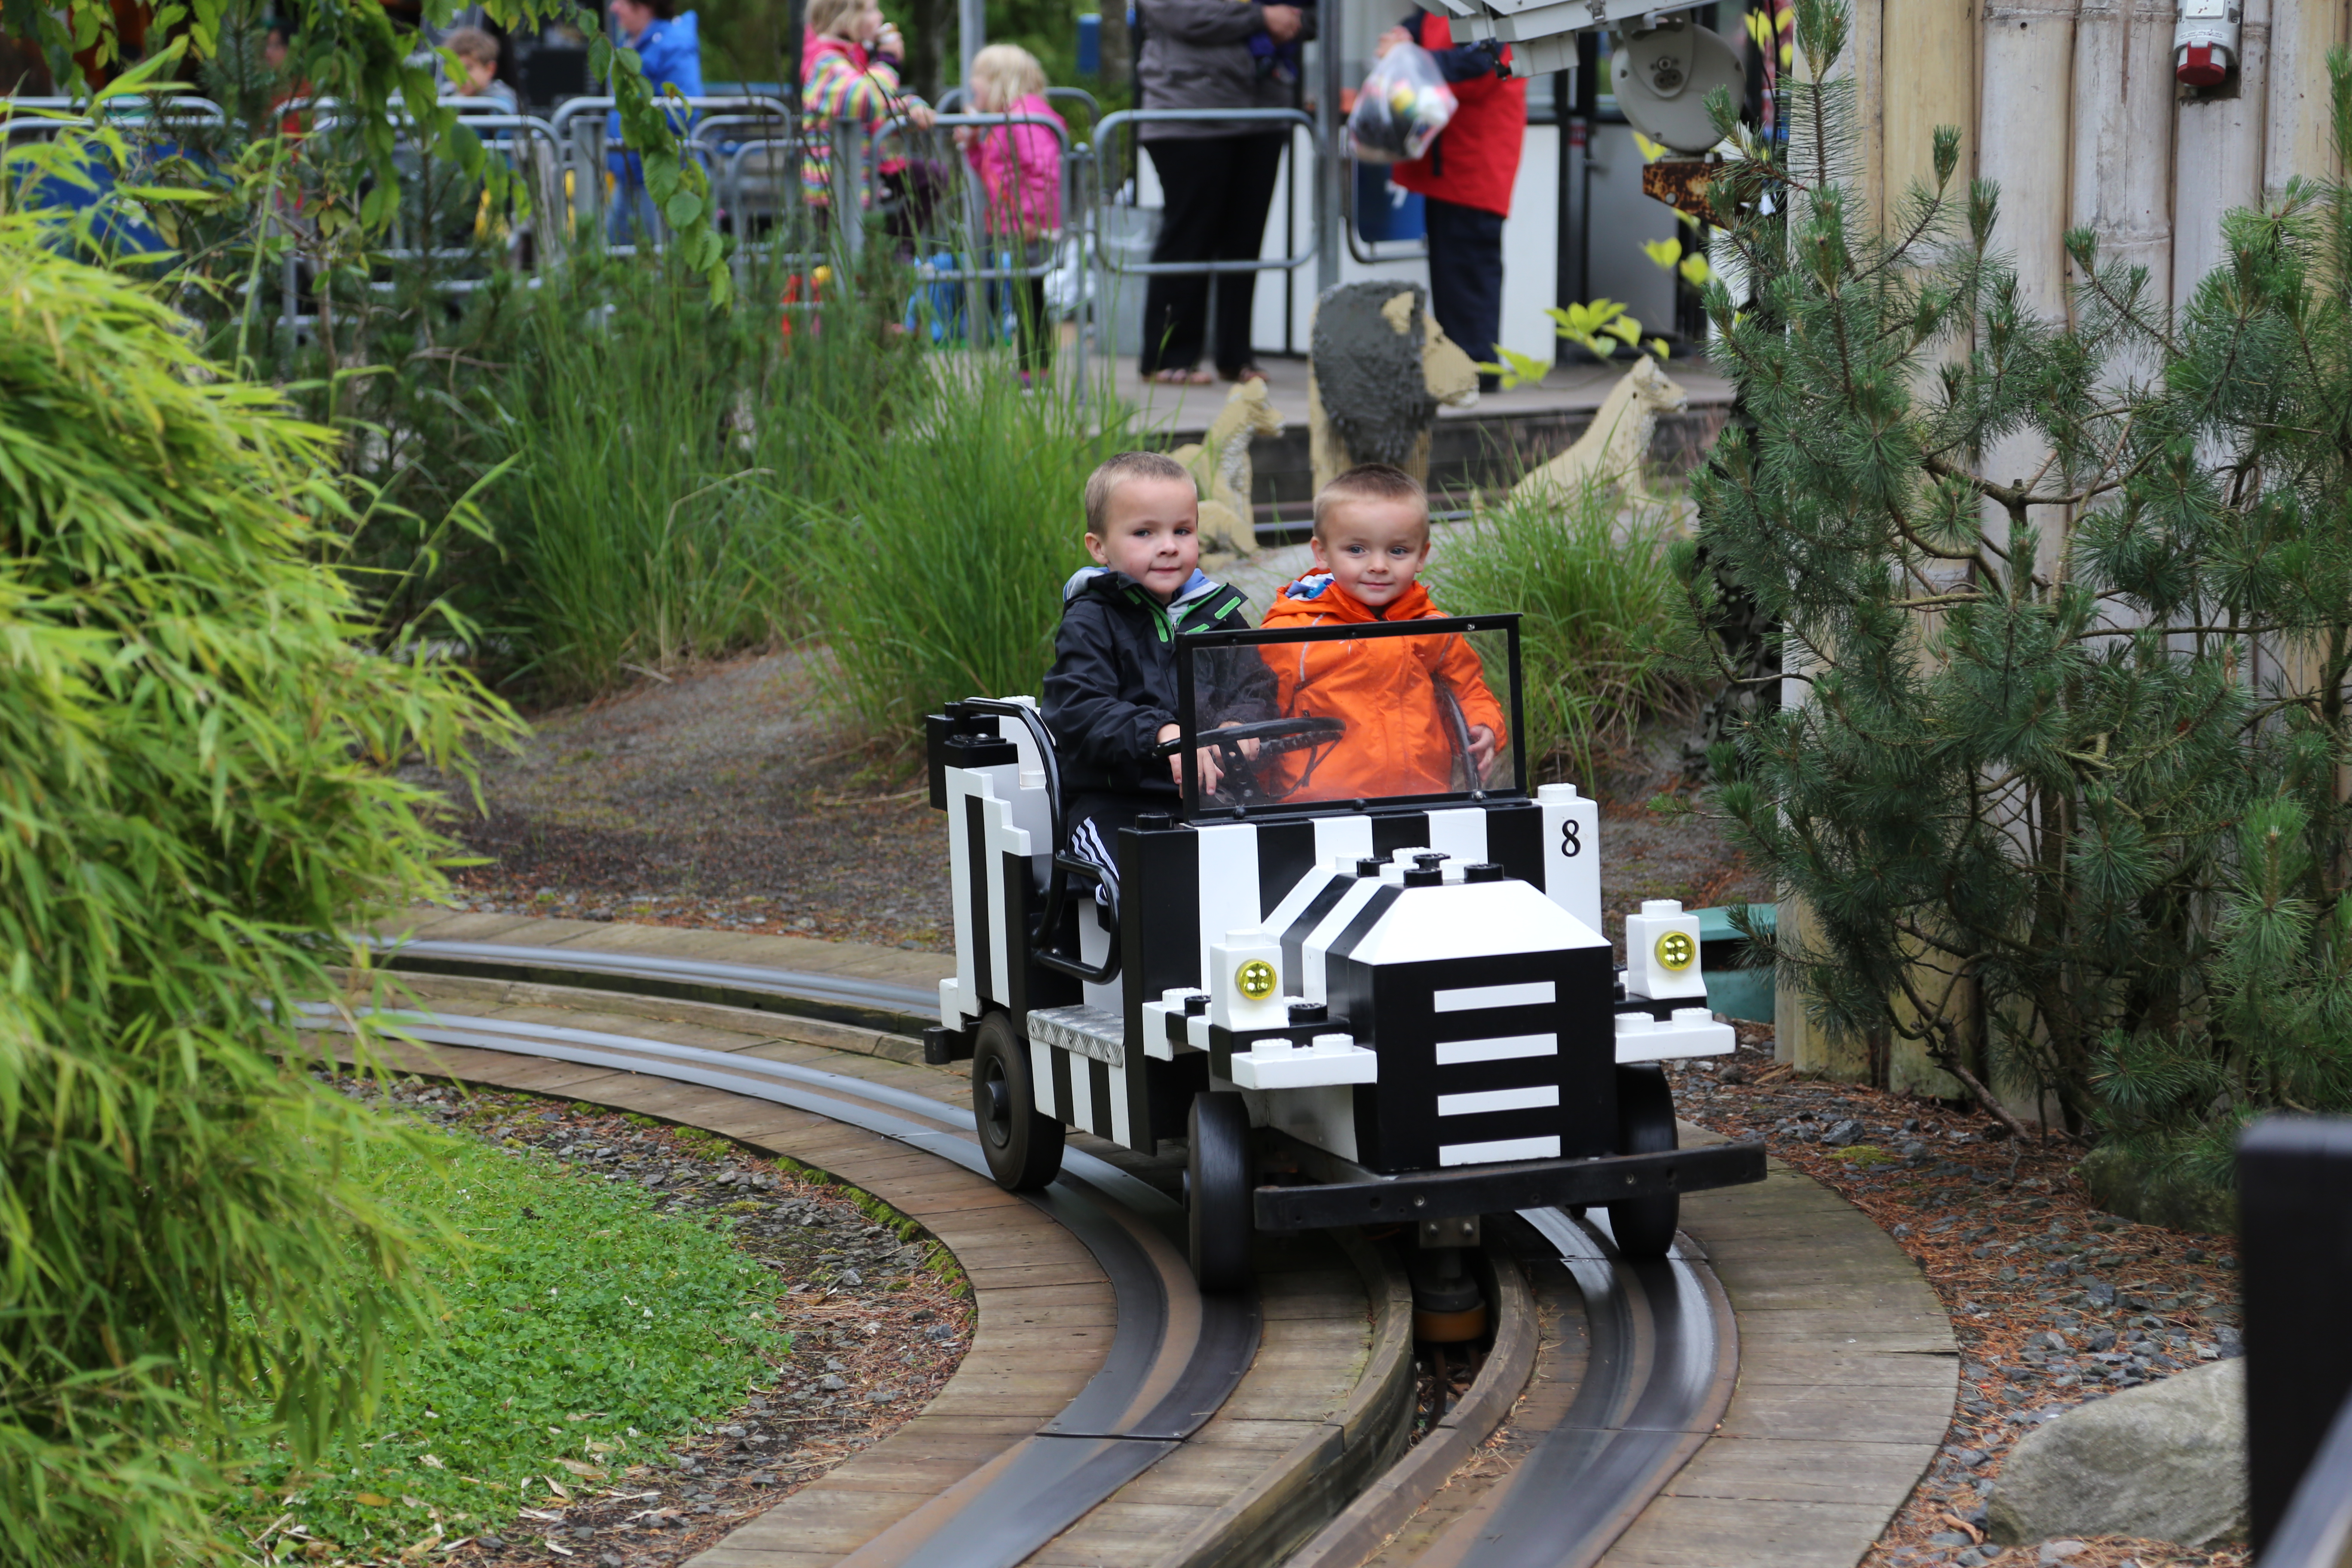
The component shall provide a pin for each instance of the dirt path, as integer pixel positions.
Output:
(724, 798)
(727, 798)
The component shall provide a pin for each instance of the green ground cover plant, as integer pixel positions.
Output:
(1602, 615)
(195, 789)
(577, 1328)
(2071, 605)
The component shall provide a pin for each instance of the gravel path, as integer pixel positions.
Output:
(722, 798)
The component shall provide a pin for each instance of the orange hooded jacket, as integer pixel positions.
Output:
(1384, 689)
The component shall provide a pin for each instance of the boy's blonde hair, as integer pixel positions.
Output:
(1002, 75)
(1115, 471)
(831, 18)
(473, 44)
(1373, 481)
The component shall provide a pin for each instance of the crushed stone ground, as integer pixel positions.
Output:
(2053, 1303)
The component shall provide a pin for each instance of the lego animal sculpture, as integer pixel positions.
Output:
(1220, 465)
(1378, 367)
(1613, 446)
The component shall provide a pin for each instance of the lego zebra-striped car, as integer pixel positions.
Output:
(1372, 1008)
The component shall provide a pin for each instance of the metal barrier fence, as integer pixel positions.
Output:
(974, 232)
(753, 148)
(580, 125)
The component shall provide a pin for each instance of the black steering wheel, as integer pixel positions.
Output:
(1271, 735)
(1240, 784)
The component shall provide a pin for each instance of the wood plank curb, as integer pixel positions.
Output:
(1306, 1485)
(1385, 1507)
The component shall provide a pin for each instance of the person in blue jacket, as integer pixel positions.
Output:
(671, 51)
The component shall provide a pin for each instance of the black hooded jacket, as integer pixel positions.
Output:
(1113, 684)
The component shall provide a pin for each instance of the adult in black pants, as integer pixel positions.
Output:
(1211, 54)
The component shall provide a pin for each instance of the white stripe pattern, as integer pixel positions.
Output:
(1502, 1047)
(1534, 1096)
(1474, 998)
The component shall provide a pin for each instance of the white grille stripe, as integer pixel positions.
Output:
(1499, 1149)
(1472, 998)
(1535, 1096)
(1502, 1047)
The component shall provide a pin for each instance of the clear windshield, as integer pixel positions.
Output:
(1369, 713)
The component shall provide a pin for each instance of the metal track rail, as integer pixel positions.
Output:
(843, 998)
(1663, 1350)
(1663, 1355)
(1174, 1359)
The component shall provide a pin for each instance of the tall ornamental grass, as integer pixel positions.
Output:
(1588, 574)
(663, 441)
(939, 574)
(194, 799)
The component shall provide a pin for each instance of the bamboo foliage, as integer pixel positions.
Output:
(194, 800)
(2032, 750)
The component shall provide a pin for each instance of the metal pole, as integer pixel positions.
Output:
(971, 31)
(1331, 40)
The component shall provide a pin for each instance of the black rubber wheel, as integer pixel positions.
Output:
(1023, 1145)
(1217, 1191)
(1645, 1227)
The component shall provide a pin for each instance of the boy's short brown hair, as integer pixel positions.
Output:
(473, 44)
(1116, 470)
(1373, 481)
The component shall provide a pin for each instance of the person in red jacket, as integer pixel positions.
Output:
(1465, 180)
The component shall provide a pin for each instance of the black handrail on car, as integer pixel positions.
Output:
(2294, 1206)
(1061, 868)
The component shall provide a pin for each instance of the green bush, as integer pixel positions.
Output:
(576, 1325)
(2070, 601)
(1601, 614)
(940, 575)
(194, 783)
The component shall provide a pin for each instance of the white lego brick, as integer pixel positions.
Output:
(1571, 846)
(1155, 1015)
(1328, 1059)
(1662, 953)
(1244, 982)
(1691, 1032)
(1228, 885)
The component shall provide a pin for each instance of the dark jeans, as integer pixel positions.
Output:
(1465, 277)
(1218, 188)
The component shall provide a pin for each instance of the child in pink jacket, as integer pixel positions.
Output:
(1020, 170)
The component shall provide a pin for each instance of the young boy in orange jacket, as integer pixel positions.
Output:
(1370, 543)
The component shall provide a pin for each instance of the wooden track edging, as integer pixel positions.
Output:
(1046, 1312)
(1342, 1365)
(1847, 1373)
(1320, 1473)
(1384, 1507)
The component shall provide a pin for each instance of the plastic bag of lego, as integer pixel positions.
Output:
(1404, 104)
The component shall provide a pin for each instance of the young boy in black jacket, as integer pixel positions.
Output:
(1110, 698)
